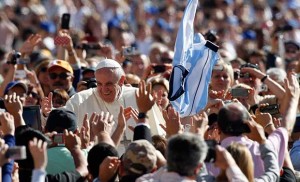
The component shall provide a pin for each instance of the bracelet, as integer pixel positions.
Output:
(264, 78)
(267, 125)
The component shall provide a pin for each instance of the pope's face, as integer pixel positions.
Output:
(108, 84)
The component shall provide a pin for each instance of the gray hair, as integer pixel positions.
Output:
(277, 74)
(185, 152)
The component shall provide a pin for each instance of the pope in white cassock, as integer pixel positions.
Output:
(108, 96)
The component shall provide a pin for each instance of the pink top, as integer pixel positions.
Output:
(278, 140)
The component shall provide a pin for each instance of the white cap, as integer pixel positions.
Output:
(108, 63)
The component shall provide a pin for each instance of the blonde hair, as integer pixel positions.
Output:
(227, 68)
(243, 159)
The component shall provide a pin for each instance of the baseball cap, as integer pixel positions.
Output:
(60, 63)
(108, 63)
(60, 119)
(140, 157)
(12, 84)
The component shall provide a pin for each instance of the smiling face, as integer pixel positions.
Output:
(109, 84)
(220, 80)
(59, 78)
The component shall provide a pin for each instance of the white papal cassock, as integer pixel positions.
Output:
(89, 101)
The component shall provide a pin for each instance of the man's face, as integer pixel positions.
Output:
(138, 67)
(59, 78)
(108, 84)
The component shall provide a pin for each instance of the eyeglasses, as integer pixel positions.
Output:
(43, 69)
(62, 76)
(34, 95)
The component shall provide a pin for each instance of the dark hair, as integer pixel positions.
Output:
(231, 119)
(184, 153)
(61, 94)
(160, 144)
(97, 154)
(23, 135)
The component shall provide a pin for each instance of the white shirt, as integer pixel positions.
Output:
(89, 101)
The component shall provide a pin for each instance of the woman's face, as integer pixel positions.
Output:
(43, 76)
(220, 80)
(163, 100)
(32, 98)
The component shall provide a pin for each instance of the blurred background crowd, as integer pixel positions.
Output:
(49, 51)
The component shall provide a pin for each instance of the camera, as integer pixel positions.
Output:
(159, 68)
(14, 58)
(65, 21)
(271, 109)
(244, 75)
(239, 92)
(16, 153)
(249, 65)
(91, 83)
(211, 153)
(59, 139)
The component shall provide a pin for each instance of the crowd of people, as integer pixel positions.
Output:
(96, 73)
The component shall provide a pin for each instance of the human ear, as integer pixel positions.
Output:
(122, 80)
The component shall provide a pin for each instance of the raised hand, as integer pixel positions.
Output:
(7, 124)
(200, 123)
(72, 141)
(108, 168)
(223, 158)
(30, 43)
(85, 133)
(4, 147)
(38, 150)
(214, 105)
(264, 119)
(144, 99)
(13, 104)
(257, 132)
(121, 119)
(102, 123)
(47, 104)
(173, 125)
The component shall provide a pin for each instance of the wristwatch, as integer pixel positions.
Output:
(142, 115)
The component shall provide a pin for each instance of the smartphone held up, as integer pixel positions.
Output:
(65, 21)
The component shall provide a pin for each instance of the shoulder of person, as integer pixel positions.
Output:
(129, 90)
(83, 94)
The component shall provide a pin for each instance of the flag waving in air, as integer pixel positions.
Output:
(193, 62)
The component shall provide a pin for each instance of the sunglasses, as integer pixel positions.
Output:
(34, 95)
(61, 76)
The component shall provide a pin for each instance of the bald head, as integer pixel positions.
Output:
(231, 119)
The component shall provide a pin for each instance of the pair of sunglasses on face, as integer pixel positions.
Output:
(61, 76)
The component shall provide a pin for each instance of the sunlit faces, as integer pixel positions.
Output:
(108, 84)
(59, 78)
(163, 102)
(220, 80)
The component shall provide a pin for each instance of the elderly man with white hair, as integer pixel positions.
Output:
(108, 96)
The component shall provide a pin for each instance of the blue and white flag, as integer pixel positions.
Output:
(193, 62)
